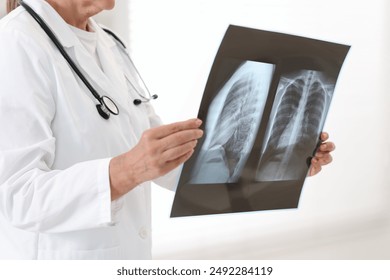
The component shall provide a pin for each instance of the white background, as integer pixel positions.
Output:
(344, 211)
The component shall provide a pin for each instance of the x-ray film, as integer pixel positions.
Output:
(263, 109)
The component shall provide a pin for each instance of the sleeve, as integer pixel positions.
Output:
(34, 197)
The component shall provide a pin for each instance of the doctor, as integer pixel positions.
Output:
(75, 183)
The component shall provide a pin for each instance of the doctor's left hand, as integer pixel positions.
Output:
(159, 151)
(322, 156)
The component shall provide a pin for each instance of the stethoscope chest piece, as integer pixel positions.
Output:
(106, 107)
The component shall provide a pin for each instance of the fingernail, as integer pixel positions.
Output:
(198, 122)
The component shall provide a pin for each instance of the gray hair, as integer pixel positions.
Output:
(11, 5)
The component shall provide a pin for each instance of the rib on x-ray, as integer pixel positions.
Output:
(295, 122)
(231, 125)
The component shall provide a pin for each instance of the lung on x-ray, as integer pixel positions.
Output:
(263, 109)
(297, 115)
(231, 126)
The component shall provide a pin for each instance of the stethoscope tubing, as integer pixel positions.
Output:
(59, 46)
(103, 108)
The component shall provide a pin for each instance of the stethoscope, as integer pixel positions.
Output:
(106, 105)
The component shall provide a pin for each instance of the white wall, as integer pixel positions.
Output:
(344, 211)
(118, 19)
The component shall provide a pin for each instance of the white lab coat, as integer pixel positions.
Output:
(55, 148)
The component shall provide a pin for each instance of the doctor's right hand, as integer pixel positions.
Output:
(159, 151)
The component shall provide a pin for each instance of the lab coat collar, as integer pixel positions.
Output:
(107, 58)
(108, 80)
(58, 25)
(114, 78)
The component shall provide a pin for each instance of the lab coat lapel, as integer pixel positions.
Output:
(91, 70)
(106, 49)
(54, 21)
(113, 72)
(110, 79)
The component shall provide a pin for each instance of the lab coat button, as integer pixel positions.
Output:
(143, 233)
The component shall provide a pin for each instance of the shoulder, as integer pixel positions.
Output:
(24, 59)
(18, 19)
(22, 42)
(19, 29)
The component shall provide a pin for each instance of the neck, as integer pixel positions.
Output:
(74, 12)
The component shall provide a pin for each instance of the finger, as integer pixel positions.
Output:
(178, 151)
(314, 169)
(182, 158)
(324, 136)
(165, 130)
(315, 166)
(324, 160)
(170, 165)
(320, 154)
(327, 147)
(180, 138)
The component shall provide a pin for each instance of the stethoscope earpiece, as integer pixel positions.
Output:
(139, 101)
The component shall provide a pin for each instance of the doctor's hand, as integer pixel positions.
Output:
(322, 156)
(159, 151)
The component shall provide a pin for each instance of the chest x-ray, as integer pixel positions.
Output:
(297, 116)
(264, 107)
